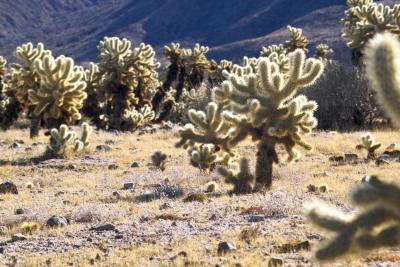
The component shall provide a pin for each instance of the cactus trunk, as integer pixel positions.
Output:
(119, 107)
(35, 125)
(266, 156)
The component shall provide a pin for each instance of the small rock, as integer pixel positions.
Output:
(29, 185)
(2, 250)
(350, 157)
(224, 247)
(112, 166)
(19, 211)
(365, 179)
(15, 145)
(213, 217)
(119, 236)
(116, 194)
(128, 186)
(323, 188)
(18, 237)
(256, 218)
(19, 141)
(56, 221)
(135, 165)
(104, 227)
(72, 167)
(103, 148)
(165, 206)
(8, 187)
(311, 188)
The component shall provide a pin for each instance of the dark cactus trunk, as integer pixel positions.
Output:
(35, 125)
(11, 114)
(181, 84)
(119, 105)
(266, 157)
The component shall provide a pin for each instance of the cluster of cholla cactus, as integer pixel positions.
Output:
(187, 69)
(365, 18)
(128, 82)
(66, 143)
(258, 100)
(376, 224)
(370, 145)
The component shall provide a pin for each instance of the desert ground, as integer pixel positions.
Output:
(121, 211)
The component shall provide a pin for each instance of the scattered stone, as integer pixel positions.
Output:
(199, 197)
(57, 221)
(256, 218)
(2, 250)
(382, 160)
(213, 217)
(293, 248)
(366, 179)
(212, 187)
(350, 157)
(8, 188)
(19, 141)
(323, 188)
(113, 166)
(135, 165)
(18, 237)
(224, 247)
(103, 148)
(129, 185)
(29, 185)
(311, 188)
(116, 194)
(72, 167)
(104, 227)
(15, 145)
(119, 236)
(165, 206)
(20, 211)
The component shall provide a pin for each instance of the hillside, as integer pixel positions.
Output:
(231, 28)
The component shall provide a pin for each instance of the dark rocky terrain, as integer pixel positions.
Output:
(231, 28)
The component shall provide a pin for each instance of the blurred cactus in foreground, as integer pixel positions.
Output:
(375, 224)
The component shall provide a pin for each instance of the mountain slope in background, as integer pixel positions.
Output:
(232, 28)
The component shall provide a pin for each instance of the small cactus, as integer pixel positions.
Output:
(368, 143)
(158, 160)
(65, 143)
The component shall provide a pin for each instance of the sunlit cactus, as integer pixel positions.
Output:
(365, 18)
(129, 79)
(259, 103)
(65, 143)
(323, 52)
(370, 145)
(94, 101)
(205, 157)
(61, 91)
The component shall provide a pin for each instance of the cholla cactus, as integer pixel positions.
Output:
(158, 159)
(61, 91)
(323, 52)
(205, 157)
(94, 101)
(364, 18)
(260, 104)
(4, 100)
(65, 143)
(297, 41)
(129, 79)
(242, 180)
(383, 68)
(187, 70)
(368, 143)
(375, 224)
(215, 71)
